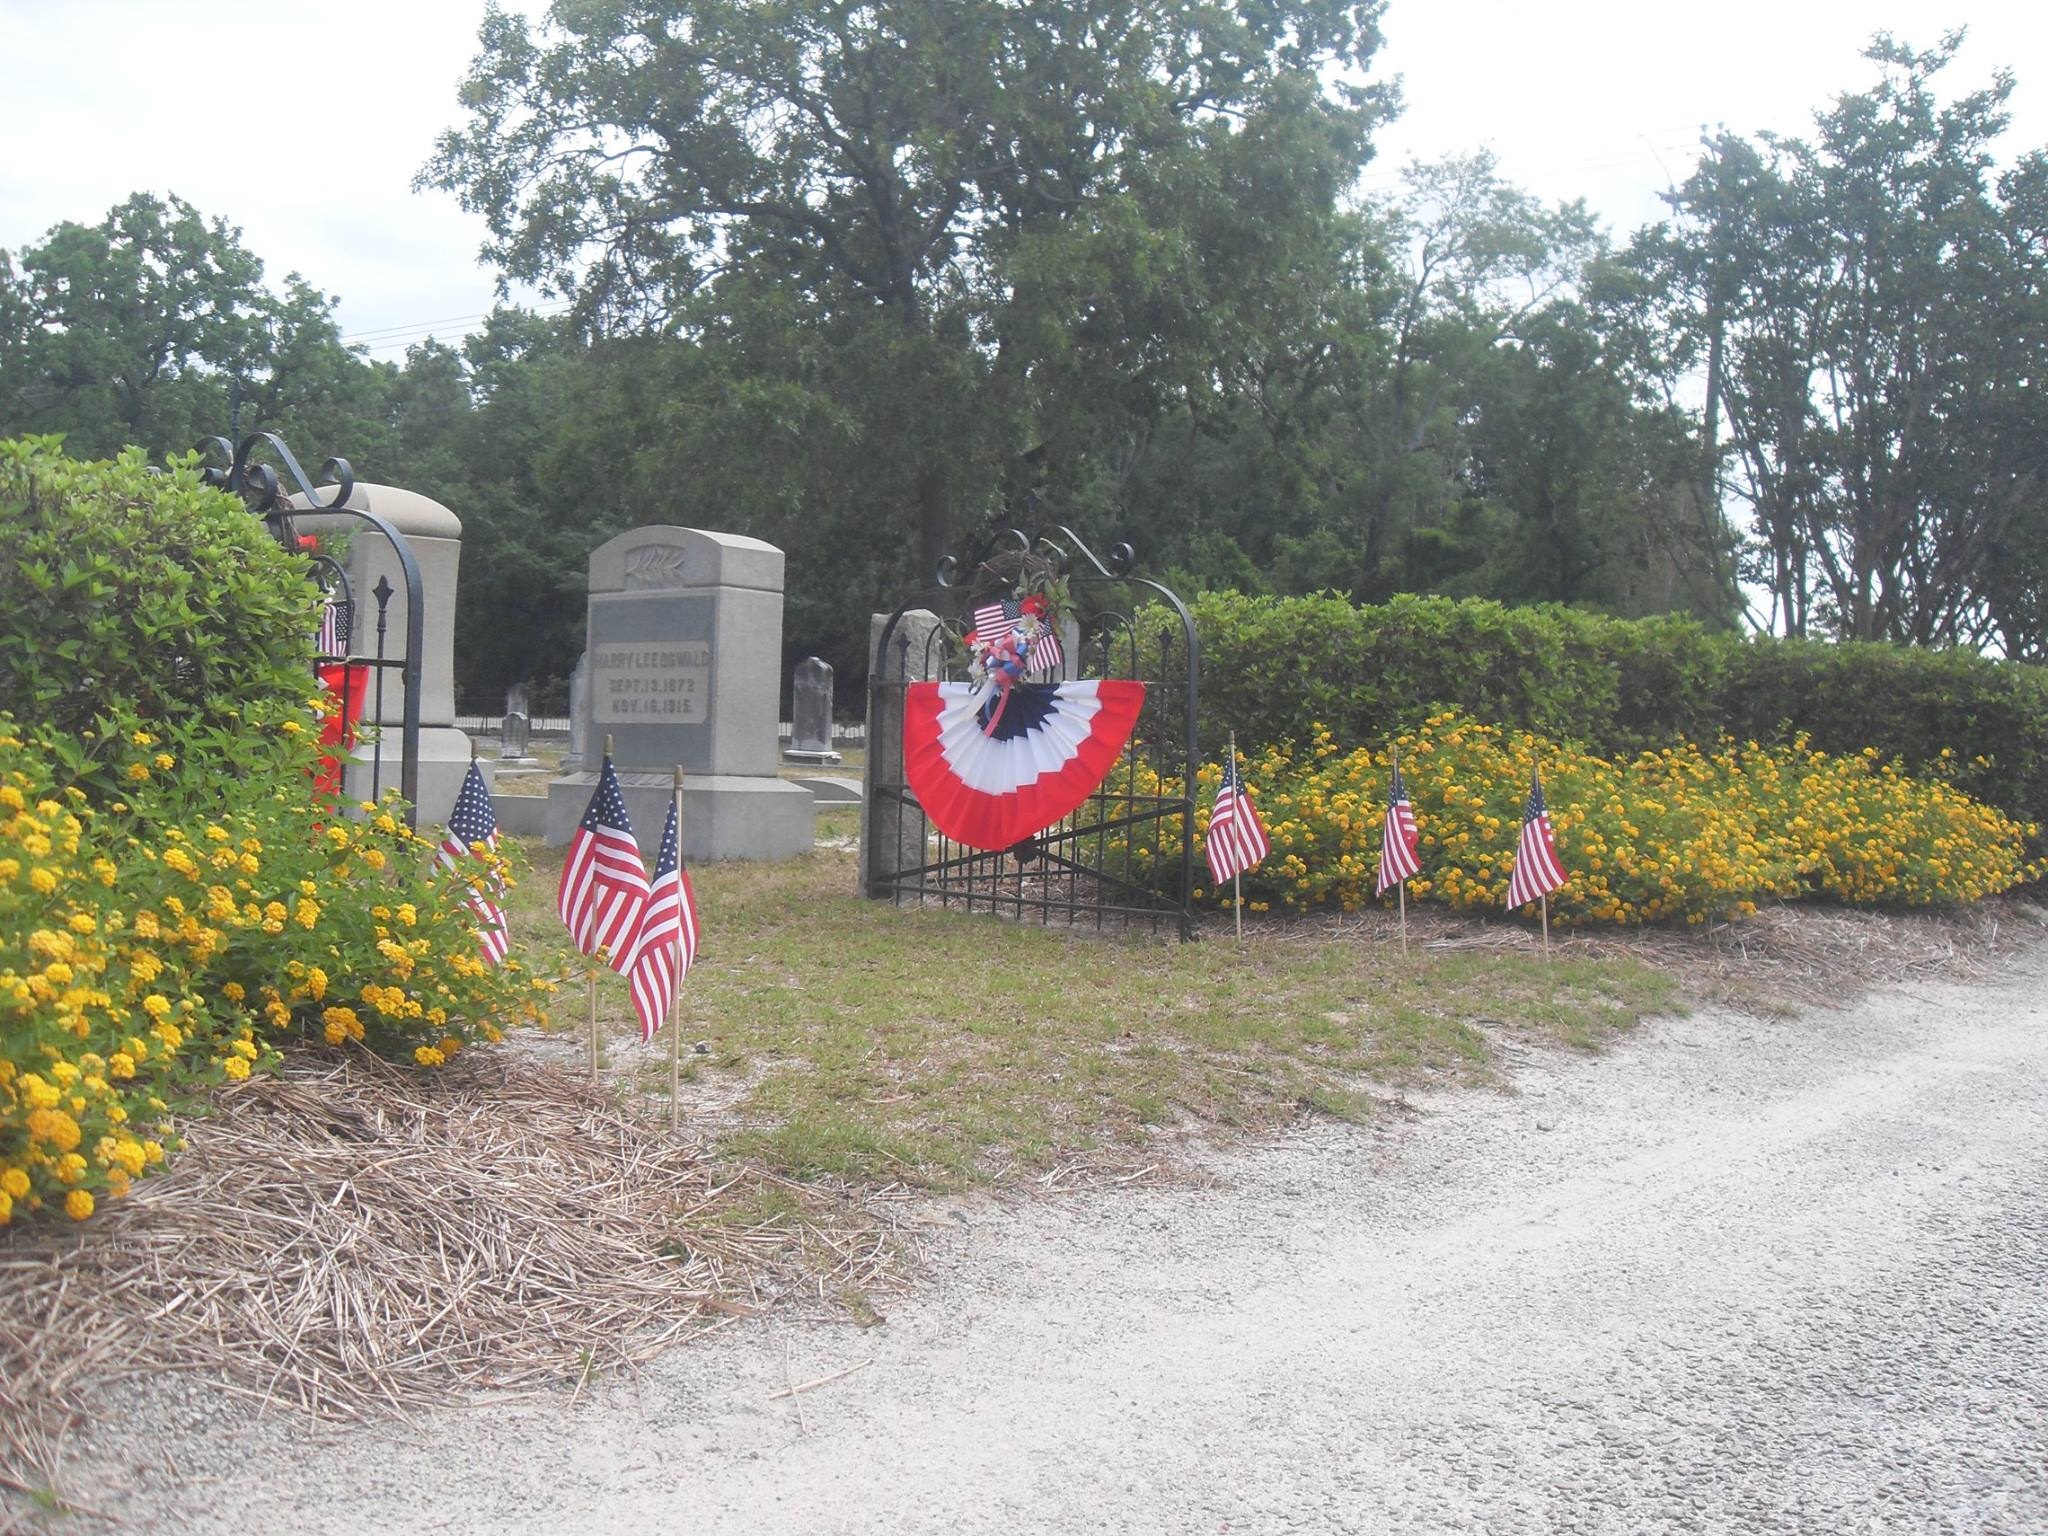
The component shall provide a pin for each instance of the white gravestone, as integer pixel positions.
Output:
(514, 736)
(684, 657)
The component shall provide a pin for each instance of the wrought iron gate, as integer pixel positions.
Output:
(263, 490)
(1126, 857)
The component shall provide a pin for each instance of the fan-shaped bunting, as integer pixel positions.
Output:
(1050, 746)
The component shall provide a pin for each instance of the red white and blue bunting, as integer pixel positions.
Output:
(992, 766)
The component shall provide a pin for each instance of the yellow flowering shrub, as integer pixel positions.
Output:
(176, 899)
(148, 952)
(1683, 834)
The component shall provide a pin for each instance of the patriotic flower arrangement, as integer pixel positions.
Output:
(1687, 834)
(1011, 637)
(164, 927)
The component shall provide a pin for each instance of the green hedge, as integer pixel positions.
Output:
(1272, 667)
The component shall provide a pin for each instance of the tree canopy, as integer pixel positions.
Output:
(865, 280)
(1867, 307)
(985, 221)
(139, 328)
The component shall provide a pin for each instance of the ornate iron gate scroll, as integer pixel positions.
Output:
(259, 486)
(1127, 856)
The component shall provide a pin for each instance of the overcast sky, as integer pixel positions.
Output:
(304, 123)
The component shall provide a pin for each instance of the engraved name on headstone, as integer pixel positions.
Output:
(638, 682)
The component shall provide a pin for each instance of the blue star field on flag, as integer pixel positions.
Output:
(603, 893)
(470, 824)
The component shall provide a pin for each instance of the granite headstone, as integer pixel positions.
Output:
(514, 739)
(810, 714)
(685, 654)
(434, 534)
(579, 706)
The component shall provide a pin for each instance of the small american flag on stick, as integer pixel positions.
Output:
(1237, 839)
(992, 621)
(1399, 842)
(470, 825)
(603, 894)
(668, 934)
(1537, 872)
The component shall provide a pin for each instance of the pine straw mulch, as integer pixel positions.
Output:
(357, 1239)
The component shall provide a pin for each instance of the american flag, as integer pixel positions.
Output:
(994, 620)
(1537, 872)
(1398, 839)
(1237, 840)
(337, 624)
(603, 893)
(668, 934)
(471, 823)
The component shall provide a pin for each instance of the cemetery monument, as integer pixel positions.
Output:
(435, 535)
(684, 651)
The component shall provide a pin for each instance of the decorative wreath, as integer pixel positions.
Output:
(996, 759)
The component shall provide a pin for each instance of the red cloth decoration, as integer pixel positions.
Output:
(992, 783)
(346, 685)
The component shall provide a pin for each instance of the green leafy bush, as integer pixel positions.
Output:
(127, 592)
(1272, 668)
(175, 898)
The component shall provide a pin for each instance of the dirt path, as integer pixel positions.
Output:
(1734, 1275)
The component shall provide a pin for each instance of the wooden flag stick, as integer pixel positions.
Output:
(1546, 927)
(1401, 886)
(675, 1011)
(590, 975)
(1237, 875)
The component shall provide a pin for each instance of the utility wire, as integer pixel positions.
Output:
(381, 336)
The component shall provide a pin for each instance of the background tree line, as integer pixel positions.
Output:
(868, 280)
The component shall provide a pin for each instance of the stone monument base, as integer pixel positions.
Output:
(805, 757)
(725, 816)
(444, 764)
(830, 790)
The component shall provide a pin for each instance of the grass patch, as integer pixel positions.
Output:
(881, 1044)
(837, 823)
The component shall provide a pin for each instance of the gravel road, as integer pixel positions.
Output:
(1731, 1276)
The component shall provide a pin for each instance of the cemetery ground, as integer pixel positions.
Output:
(924, 1116)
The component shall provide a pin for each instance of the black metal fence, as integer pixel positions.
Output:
(1126, 857)
(347, 622)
